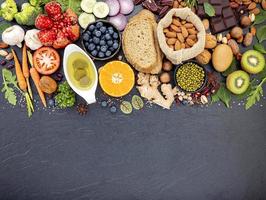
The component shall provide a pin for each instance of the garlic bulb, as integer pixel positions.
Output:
(13, 35)
(32, 40)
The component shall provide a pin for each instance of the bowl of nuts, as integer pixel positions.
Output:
(181, 35)
(190, 77)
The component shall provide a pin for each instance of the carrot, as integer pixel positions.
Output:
(36, 79)
(25, 69)
(21, 79)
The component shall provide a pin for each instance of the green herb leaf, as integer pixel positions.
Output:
(126, 107)
(9, 93)
(262, 74)
(223, 94)
(261, 33)
(255, 95)
(246, 94)
(260, 18)
(260, 48)
(72, 4)
(232, 68)
(137, 102)
(209, 9)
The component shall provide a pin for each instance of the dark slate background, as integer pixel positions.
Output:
(203, 153)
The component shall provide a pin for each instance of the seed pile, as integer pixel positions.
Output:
(190, 77)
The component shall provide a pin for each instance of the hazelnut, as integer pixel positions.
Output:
(236, 32)
(210, 42)
(245, 21)
(204, 58)
(167, 66)
(165, 77)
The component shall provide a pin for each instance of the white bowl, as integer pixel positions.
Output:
(88, 95)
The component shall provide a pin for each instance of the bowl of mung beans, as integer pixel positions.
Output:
(190, 77)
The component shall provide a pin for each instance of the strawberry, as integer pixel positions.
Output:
(61, 41)
(47, 37)
(73, 32)
(53, 9)
(43, 22)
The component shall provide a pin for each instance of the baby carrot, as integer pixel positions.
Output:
(36, 79)
(21, 79)
(25, 69)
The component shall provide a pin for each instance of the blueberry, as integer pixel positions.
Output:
(100, 54)
(99, 24)
(96, 40)
(94, 53)
(91, 47)
(98, 47)
(110, 43)
(116, 41)
(104, 49)
(185, 102)
(104, 104)
(108, 37)
(103, 29)
(98, 33)
(112, 49)
(115, 45)
(92, 27)
(86, 37)
(87, 44)
(115, 36)
(102, 42)
(51, 103)
(113, 109)
(108, 53)
(90, 40)
(111, 30)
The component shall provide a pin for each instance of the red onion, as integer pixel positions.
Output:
(120, 21)
(126, 6)
(114, 7)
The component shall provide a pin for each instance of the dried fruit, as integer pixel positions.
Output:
(137, 102)
(82, 109)
(263, 4)
(126, 107)
(234, 46)
(48, 85)
(165, 77)
(167, 66)
(3, 53)
(236, 32)
(248, 39)
(210, 41)
(204, 58)
(245, 21)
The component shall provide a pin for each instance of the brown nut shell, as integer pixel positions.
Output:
(48, 85)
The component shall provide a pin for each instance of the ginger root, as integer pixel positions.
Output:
(148, 88)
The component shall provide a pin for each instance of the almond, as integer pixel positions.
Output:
(180, 37)
(177, 45)
(3, 53)
(3, 45)
(252, 6)
(190, 42)
(255, 11)
(171, 41)
(192, 31)
(189, 25)
(184, 32)
(175, 28)
(171, 34)
(176, 22)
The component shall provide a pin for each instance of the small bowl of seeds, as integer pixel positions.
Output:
(190, 77)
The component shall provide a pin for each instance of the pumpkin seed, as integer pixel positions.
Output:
(126, 107)
(137, 102)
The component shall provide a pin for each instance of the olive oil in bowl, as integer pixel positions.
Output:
(80, 70)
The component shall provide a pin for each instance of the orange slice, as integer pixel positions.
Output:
(116, 78)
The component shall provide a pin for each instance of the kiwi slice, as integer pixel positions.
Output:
(253, 62)
(238, 82)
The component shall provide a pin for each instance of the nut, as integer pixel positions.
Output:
(204, 58)
(240, 40)
(234, 46)
(165, 77)
(206, 24)
(252, 6)
(236, 32)
(3, 53)
(263, 4)
(245, 21)
(171, 41)
(167, 66)
(253, 30)
(48, 85)
(219, 37)
(252, 17)
(9, 56)
(204, 99)
(177, 45)
(224, 40)
(248, 39)
(210, 42)
(255, 11)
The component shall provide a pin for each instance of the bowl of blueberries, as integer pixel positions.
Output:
(101, 40)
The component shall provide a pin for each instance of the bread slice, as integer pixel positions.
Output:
(146, 17)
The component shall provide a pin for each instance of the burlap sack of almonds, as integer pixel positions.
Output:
(177, 57)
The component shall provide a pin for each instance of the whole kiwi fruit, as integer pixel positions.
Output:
(253, 62)
(238, 82)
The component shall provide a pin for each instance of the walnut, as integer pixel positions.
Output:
(210, 42)
(204, 58)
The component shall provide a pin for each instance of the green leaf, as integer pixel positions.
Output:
(73, 4)
(223, 95)
(9, 93)
(260, 48)
(262, 74)
(261, 33)
(255, 95)
(126, 107)
(246, 94)
(209, 9)
(260, 18)
(232, 68)
(137, 102)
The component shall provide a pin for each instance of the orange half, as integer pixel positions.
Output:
(116, 78)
